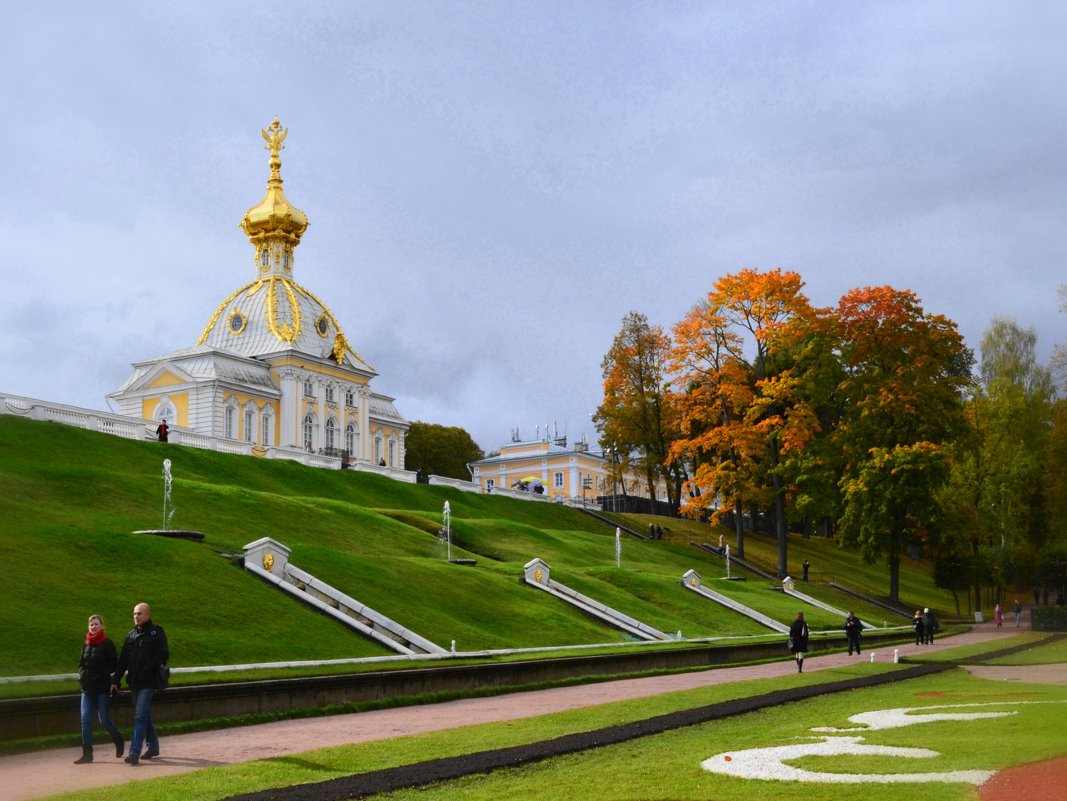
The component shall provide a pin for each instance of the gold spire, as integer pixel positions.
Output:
(275, 226)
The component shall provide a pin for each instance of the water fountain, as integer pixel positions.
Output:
(447, 515)
(166, 493)
(618, 547)
(446, 532)
(168, 511)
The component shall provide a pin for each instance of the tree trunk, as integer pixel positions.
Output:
(779, 511)
(894, 578)
(739, 527)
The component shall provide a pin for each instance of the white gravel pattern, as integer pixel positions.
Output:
(770, 763)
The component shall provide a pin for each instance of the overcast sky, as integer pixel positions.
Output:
(493, 186)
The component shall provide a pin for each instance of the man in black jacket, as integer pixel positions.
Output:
(144, 651)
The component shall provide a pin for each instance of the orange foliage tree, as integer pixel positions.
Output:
(744, 404)
(636, 417)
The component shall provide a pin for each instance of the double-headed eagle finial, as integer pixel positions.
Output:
(276, 136)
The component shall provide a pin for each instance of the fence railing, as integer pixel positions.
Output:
(134, 428)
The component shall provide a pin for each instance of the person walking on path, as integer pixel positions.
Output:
(930, 625)
(853, 630)
(95, 667)
(143, 653)
(917, 624)
(1017, 610)
(798, 640)
(998, 615)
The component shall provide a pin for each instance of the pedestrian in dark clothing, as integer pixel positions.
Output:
(95, 667)
(805, 566)
(163, 431)
(143, 653)
(930, 625)
(1017, 610)
(920, 629)
(853, 630)
(798, 640)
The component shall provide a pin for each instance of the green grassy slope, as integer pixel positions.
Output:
(70, 500)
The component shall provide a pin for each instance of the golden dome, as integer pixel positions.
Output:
(275, 219)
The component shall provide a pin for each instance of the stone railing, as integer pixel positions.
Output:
(395, 473)
(458, 483)
(522, 495)
(104, 422)
(133, 428)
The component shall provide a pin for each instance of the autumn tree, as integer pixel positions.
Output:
(743, 404)
(434, 449)
(636, 417)
(901, 404)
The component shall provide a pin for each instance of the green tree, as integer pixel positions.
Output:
(439, 450)
(901, 404)
(1000, 470)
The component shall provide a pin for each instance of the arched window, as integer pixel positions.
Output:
(331, 431)
(265, 437)
(378, 449)
(350, 439)
(230, 422)
(392, 451)
(250, 423)
(165, 411)
(309, 430)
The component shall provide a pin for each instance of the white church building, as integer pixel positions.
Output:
(272, 367)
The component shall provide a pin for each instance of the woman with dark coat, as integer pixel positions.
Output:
(798, 640)
(95, 667)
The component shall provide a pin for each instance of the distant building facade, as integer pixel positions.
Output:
(272, 367)
(564, 472)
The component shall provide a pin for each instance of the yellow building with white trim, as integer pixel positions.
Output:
(272, 367)
(565, 473)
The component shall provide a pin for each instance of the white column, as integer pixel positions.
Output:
(289, 411)
(364, 424)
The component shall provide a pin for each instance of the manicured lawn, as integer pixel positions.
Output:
(667, 766)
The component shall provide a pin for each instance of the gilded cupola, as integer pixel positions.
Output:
(273, 312)
(275, 226)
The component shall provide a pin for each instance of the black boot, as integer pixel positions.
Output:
(87, 755)
(120, 746)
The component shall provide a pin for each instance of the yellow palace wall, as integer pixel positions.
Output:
(568, 468)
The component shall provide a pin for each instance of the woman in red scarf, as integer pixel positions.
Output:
(97, 663)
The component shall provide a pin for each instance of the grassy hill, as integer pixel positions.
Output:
(70, 501)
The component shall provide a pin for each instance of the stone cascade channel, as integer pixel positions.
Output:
(268, 559)
(536, 573)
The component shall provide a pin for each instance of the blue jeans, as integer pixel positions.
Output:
(101, 704)
(143, 727)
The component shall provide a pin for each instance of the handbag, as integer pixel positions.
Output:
(164, 676)
(789, 644)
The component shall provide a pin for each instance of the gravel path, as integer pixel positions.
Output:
(28, 776)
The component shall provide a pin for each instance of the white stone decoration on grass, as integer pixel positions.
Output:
(770, 763)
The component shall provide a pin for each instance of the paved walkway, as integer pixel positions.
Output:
(28, 776)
